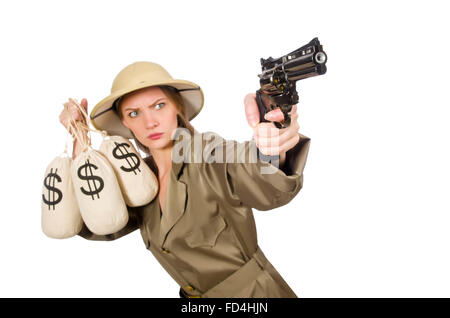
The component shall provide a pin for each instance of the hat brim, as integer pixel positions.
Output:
(103, 116)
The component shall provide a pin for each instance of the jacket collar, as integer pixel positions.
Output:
(176, 195)
(176, 198)
(185, 142)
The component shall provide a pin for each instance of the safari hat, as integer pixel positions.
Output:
(134, 77)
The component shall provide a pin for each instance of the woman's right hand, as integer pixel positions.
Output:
(76, 114)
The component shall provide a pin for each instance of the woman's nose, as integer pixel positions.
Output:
(149, 119)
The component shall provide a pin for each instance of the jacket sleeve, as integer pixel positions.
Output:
(258, 184)
(132, 225)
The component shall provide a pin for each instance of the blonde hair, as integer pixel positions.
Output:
(174, 96)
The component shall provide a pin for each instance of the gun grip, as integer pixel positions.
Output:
(262, 111)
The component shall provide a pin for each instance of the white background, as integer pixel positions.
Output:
(373, 217)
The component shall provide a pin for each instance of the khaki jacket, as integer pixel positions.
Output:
(206, 239)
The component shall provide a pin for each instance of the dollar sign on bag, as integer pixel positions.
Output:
(131, 158)
(88, 176)
(50, 185)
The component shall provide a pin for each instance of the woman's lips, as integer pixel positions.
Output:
(155, 136)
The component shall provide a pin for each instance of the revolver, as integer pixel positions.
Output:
(279, 76)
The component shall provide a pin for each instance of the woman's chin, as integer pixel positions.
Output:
(158, 144)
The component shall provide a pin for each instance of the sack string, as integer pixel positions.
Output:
(81, 129)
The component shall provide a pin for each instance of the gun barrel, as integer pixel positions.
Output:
(320, 57)
(307, 61)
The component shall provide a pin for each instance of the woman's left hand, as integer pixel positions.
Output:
(269, 139)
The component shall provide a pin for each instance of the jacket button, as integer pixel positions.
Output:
(189, 288)
(165, 251)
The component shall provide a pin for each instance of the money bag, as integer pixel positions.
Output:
(60, 217)
(98, 193)
(137, 181)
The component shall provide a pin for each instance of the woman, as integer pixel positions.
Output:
(201, 226)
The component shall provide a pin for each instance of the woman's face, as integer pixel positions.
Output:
(147, 112)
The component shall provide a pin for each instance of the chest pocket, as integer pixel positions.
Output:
(206, 234)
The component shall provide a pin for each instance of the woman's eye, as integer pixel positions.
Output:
(133, 114)
(160, 106)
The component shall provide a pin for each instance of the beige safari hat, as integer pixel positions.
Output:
(134, 77)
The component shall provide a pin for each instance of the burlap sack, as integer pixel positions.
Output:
(137, 181)
(60, 217)
(98, 193)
